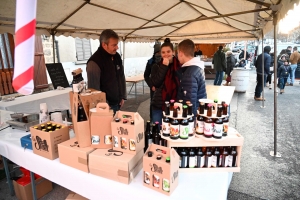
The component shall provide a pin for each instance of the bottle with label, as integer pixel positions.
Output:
(166, 126)
(167, 108)
(225, 125)
(192, 158)
(201, 108)
(208, 157)
(200, 125)
(191, 126)
(172, 105)
(148, 138)
(232, 157)
(224, 157)
(216, 157)
(208, 127)
(209, 110)
(174, 128)
(81, 114)
(184, 158)
(190, 109)
(218, 128)
(219, 111)
(225, 107)
(185, 111)
(184, 129)
(199, 158)
(156, 137)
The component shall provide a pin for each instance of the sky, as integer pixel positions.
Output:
(291, 20)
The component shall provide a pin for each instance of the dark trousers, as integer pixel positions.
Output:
(269, 78)
(259, 84)
(282, 82)
(151, 96)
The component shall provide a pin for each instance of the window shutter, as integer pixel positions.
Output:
(83, 49)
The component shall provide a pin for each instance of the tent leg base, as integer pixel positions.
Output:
(278, 155)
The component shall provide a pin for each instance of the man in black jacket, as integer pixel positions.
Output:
(105, 71)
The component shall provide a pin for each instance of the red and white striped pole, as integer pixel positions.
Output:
(24, 46)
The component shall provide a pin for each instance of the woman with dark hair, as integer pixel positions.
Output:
(165, 80)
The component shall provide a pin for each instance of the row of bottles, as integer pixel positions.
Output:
(172, 111)
(152, 135)
(206, 157)
(207, 109)
(210, 127)
(48, 127)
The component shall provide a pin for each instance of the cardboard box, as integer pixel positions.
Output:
(118, 168)
(45, 143)
(101, 126)
(88, 100)
(72, 155)
(160, 175)
(74, 196)
(43, 186)
(128, 137)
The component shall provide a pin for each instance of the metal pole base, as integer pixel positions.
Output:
(278, 155)
(263, 106)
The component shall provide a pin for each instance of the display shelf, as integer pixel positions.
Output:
(214, 115)
(179, 115)
(211, 169)
(178, 140)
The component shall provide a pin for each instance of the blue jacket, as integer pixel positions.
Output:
(267, 64)
(192, 85)
(284, 71)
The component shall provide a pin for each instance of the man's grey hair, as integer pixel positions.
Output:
(106, 35)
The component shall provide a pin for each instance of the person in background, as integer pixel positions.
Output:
(230, 64)
(198, 52)
(192, 81)
(283, 73)
(259, 71)
(105, 71)
(241, 55)
(294, 59)
(165, 79)
(269, 77)
(219, 62)
(289, 51)
(282, 52)
(156, 58)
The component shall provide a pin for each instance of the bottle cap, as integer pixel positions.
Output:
(166, 102)
(158, 157)
(117, 120)
(172, 101)
(150, 153)
(185, 106)
(168, 159)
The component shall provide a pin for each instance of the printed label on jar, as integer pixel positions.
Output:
(147, 178)
(218, 130)
(191, 127)
(174, 130)
(108, 139)
(166, 185)
(214, 161)
(208, 129)
(132, 145)
(156, 181)
(95, 139)
(123, 143)
(184, 131)
(200, 127)
(166, 127)
(192, 162)
(226, 161)
(220, 161)
(116, 141)
(209, 159)
(202, 162)
(225, 127)
(230, 160)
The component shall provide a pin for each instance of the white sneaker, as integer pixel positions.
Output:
(267, 85)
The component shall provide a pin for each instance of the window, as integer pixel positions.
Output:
(83, 49)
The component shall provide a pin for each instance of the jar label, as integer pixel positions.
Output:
(166, 185)
(166, 127)
(214, 161)
(225, 127)
(147, 178)
(218, 130)
(191, 127)
(200, 127)
(209, 159)
(208, 129)
(174, 130)
(184, 131)
(192, 162)
(230, 161)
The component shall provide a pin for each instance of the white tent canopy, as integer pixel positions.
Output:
(141, 20)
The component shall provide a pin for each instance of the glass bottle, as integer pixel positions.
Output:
(224, 157)
(175, 111)
(167, 108)
(218, 128)
(185, 111)
(200, 125)
(81, 113)
(148, 139)
(184, 157)
(216, 157)
(184, 129)
(208, 127)
(225, 125)
(219, 111)
(209, 110)
(199, 158)
(201, 108)
(166, 126)
(192, 158)
(174, 129)
(208, 157)
(156, 136)
(190, 109)
(225, 107)
(172, 104)
(232, 157)
(191, 126)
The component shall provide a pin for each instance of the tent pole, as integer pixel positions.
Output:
(263, 68)
(123, 55)
(275, 153)
(53, 45)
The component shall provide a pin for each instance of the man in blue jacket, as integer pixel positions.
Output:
(260, 74)
(191, 75)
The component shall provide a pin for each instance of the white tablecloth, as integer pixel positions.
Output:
(191, 185)
(55, 99)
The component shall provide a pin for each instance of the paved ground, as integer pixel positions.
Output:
(261, 176)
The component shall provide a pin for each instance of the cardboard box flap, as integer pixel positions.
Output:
(102, 107)
(92, 99)
(129, 115)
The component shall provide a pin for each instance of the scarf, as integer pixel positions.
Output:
(171, 83)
